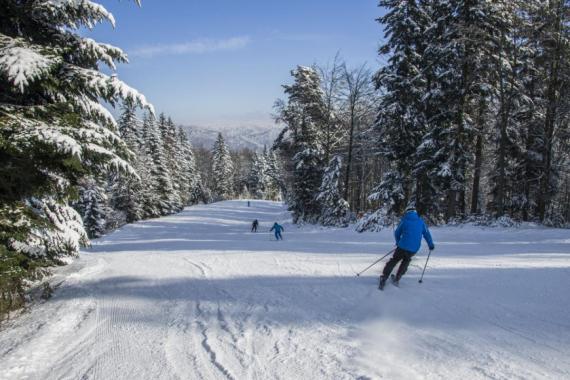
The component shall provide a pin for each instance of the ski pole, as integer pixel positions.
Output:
(374, 263)
(425, 266)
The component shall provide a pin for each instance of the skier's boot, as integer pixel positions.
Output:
(395, 280)
(382, 282)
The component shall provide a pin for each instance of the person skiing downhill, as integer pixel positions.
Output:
(277, 228)
(254, 225)
(408, 237)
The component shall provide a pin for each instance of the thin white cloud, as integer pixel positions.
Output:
(197, 46)
(299, 37)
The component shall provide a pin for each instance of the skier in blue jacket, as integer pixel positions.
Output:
(408, 241)
(277, 228)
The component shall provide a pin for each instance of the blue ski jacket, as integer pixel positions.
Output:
(410, 231)
(277, 227)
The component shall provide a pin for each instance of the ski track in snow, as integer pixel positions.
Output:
(196, 296)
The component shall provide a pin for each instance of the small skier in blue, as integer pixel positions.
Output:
(408, 241)
(277, 228)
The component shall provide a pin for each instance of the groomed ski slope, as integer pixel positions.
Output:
(196, 296)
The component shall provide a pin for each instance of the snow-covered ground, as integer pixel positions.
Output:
(196, 296)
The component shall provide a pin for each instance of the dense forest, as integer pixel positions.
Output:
(467, 118)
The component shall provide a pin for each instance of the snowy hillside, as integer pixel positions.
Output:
(251, 137)
(196, 295)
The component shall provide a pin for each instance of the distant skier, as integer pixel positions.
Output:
(408, 241)
(278, 229)
(254, 225)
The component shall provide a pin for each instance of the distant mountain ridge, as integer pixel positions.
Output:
(237, 138)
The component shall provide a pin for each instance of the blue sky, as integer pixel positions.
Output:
(222, 62)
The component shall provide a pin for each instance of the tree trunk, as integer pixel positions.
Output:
(456, 196)
(359, 201)
(550, 119)
(349, 158)
(480, 124)
(501, 166)
(506, 103)
(475, 209)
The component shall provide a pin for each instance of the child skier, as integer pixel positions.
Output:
(277, 228)
(254, 225)
(408, 241)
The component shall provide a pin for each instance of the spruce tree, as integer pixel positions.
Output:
(305, 116)
(172, 155)
(222, 170)
(53, 128)
(275, 184)
(187, 166)
(334, 209)
(402, 120)
(93, 208)
(162, 189)
(127, 189)
(257, 179)
(149, 197)
(201, 192)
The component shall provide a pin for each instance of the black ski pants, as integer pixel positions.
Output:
(399, 255)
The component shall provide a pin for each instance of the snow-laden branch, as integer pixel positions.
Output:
(22, 62)
(103, 86)
(74, 13)
(106, 53)
(95, 110)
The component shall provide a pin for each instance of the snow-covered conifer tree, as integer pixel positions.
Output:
(162, 189)
(401, 120)
(172, 155)
(304, 115)
(201, 192)
(334, 209)
(187, 167)
(149, 199)
(257, 179)
(127, 189)
(93, 208)
(275, 183)
(53, 127)
(222, 170)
